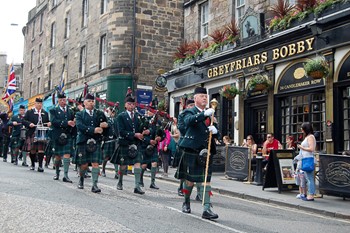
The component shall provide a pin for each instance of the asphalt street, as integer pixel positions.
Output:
(34, 202)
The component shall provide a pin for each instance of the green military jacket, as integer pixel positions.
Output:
(16, 132)
(59, 122)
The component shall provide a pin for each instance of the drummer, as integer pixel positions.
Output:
(37, 116)
(16, 140)
(63, 123)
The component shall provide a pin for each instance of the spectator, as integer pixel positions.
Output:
(271, 144)
(249, 142)
(290, 143)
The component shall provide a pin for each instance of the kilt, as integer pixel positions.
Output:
(82, 156)
(149, 158)
(16, 142)
(60, 150)
(190, 169)
(121, 156)
(108, 149)
(30, 145)
(177, 156)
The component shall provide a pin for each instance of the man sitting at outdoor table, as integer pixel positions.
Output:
(270, 144)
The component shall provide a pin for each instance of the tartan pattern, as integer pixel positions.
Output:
(16, 142)
(149, 159)
(121, 156)
(83, 157)
(30, 145)
(189, 168)
(108, 149)
(60, 150)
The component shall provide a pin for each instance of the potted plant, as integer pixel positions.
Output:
(229, 91)
(162, 105)
(317, 68)
(259, 82)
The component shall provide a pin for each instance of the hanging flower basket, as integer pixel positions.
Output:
(260, 87)
(316, 74)
(317, 68)
(259, 82)
(229, 91)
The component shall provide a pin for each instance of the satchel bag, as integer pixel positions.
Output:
(132, 151)
(91, 145)
(307, 164)
(62, 139)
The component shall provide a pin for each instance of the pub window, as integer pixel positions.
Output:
(346, 116)
(239, 9)
(304, 108)
(103, 52)
(85, 13)
(204, 17)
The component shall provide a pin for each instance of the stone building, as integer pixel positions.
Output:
(108, 44)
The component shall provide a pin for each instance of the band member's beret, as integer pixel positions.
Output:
(129, 99)
(189, 101)
(200, 90)
(39, 100)
(22, 106)
(61, 95)
(89, 97)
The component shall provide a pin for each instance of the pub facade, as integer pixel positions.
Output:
(292, 97)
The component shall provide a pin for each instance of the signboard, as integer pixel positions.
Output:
(237, 162)
(334, 175)
(280, 170)
(219, 159)
(143, 97)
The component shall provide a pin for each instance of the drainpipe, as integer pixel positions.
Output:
(133, 47)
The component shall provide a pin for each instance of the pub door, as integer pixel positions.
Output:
(256, 121)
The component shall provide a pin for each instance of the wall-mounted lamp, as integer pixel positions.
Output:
(317, 30)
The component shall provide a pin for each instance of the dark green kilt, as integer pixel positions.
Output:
(149, 158)
(60, 150)
(108, 149)
(17, 142)
(190, 169)
(82, 156)
(177, 156)
(121, 156)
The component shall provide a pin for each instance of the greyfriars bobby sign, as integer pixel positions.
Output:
(251, 25)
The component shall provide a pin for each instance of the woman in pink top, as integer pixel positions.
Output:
(164, 152)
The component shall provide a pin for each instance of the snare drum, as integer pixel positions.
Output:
(41, 134)
(23, 133)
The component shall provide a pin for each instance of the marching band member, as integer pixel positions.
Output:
(195, 142)
(108, 147)
(62, 119)
(130, 138)
(90, 123)
(16, 140)
(37, 116)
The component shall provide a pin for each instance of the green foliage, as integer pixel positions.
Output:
(259, 79)
(318, 64)
(229, 91)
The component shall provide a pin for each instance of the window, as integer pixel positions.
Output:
(30, 89)
(65, 67)
(67, 25)
(85, 13)
(103, 6)
(41, 22)
(204, 14)
(53, 35)
(49, 81)
(31, 59)
(346, 119)
(103, 52)
(239, 9)
(33, 31)
(53, 3)
(38, 87)
(82, 60)
(39, 55)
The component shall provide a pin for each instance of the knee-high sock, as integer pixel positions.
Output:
(206, 197)
(66, 162)
(57, 166)
(104, 165)
(153, 174)
(41, 158)
(137, 173)
(32, 159)
(198, 186)
(141, 175)
(121, 174)
(94, 173)
(187, 190)
(116, 168)
(24, 156)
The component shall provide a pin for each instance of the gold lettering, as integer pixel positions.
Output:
(256, 59)
(215, 71)
(301, 47)
(243, 60)
(250, 63)
(221, 70)
(263, 57)
(210, 73)
(233, 66)
(239, 64)
(309, 43)
(226, 67)
(275, 54)
(316, 81)
(292, 50)
(284, 51)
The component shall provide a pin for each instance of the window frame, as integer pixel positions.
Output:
(204, 21)
(103, 51)
(53, 35)
(85, 13)
(83, 55)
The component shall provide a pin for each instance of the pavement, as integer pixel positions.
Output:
(325, 205)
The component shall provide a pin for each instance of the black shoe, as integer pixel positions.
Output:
(186, 207)
(32, 168)
(87, 176)
(5, 160)
(142, 184)
(153, 186)
(180, 193)
(81, 183)
(120, 186)
(116, 176)
(198, 198)
(40, 169)
(24, 165)
(47, 166)
(138, 191)
(103, 174)
(15, 163)
(208, 214)
(67, 180)
(95, 189)
(56, 177)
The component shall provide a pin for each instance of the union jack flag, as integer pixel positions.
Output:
(11, 84)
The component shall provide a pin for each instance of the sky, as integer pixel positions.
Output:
(11, 37)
